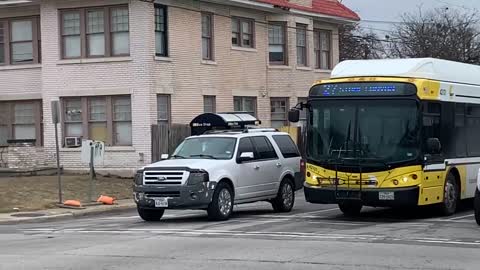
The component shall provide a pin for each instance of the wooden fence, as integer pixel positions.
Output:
(165, 138)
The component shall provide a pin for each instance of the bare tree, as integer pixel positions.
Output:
(358, 44)
(441, 33)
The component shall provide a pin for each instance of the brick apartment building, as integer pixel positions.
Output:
(119, 66)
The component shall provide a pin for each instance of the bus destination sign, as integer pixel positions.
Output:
(363, 89)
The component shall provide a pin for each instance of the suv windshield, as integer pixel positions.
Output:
(380, 131)
(206, 148)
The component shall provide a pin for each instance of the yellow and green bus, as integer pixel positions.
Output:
(393, 133)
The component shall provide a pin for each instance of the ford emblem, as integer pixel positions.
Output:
(161, 178)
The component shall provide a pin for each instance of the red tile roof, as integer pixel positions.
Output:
(326, 7)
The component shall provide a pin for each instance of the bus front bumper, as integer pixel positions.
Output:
(394, 197)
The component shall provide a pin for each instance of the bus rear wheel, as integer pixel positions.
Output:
(450, 196)
(350, 208)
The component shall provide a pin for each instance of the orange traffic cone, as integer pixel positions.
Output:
(106, 200)
(73, 203)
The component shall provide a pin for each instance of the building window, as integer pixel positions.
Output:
(106, 118)
(279, 112)
(302, 45)
(245, 104)
(161, 31)
(20, 41)
(207, 36)
(277, 43)
(243, 32)
(163, 109)
(95, 32)
(209, 104)
(120, 28)
(323, 57)
(21, 120)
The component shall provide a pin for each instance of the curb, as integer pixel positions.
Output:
(69, 215)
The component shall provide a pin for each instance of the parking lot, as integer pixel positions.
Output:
(254, 236)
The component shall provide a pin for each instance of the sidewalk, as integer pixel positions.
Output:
(64, 213)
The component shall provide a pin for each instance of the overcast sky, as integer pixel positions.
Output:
(391, 10)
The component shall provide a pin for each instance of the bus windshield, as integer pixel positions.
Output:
(383, 131)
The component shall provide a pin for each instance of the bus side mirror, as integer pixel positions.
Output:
(294, 116)
(434, 146)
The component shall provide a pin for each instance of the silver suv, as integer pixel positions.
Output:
(214, 172)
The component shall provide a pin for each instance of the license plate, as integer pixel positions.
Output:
(161, 202)
(386, 196)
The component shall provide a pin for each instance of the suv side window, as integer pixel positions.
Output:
(245, 145)
(264, 148)
(286, 145)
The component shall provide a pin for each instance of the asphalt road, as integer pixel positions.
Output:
(310, 237)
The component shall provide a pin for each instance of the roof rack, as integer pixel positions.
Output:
(245, 130)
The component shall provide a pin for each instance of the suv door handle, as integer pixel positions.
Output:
(278, 164)
(256, 167)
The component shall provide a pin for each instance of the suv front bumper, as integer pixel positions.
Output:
(369, 197)
(179, 197)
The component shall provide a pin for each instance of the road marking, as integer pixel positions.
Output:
(289, 235)
(461, 217)
(313, 212)
(338, 223)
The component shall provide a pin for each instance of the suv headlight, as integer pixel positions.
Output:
(138, 178)
(196, 177)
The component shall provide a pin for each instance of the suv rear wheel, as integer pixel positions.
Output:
(285, 198)
(221, 207)
(477, 207)
(150, 214)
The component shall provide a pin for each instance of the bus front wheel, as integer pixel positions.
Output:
(450, 196)
(350, 208)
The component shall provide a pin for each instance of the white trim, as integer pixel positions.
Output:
(279, 67)
(20, 66)
(243, 49)
(88, 92)
(208, 62)
(304, 68)
(435, 167)
(94, 60)
(322, 16)
(25, 96)
(163, 59)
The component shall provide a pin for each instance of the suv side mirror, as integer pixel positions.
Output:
(164, 156)
(246, 156)
(294, 116)
(434, 146)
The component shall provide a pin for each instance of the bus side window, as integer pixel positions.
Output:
(460, 130)
(431, 120)
(473, 129)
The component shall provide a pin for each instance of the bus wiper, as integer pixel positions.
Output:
(204, 156)
(178, 156)
(347, 139)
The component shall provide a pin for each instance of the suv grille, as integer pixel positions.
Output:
(163, 178)
(162, 194)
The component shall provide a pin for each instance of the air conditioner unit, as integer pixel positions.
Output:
(71, 142)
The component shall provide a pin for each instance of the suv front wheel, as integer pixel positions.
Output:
(221, 207)
(150, 214)
(285, 198)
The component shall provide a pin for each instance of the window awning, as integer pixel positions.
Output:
(222, 121)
